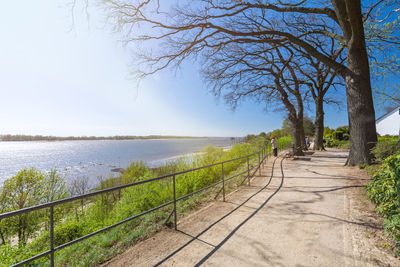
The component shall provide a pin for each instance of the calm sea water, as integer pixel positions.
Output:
(91, 159)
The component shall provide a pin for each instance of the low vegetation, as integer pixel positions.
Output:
(386, 146)
(384, 191)
(339, 138)
(27, 235)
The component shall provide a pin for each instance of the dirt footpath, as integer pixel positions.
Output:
(317, 215)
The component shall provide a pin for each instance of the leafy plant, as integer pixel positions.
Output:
(384, 148)
(25, 189)
(384, 191)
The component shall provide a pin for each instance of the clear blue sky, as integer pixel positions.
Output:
(59, 82)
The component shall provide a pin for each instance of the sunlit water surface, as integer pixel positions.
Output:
(91, 159)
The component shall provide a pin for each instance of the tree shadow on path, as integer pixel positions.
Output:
(219, 220)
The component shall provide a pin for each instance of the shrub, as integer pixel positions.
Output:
(344, 129)
(25, 189)
(384, 191)
(385, 148)
(9, 255)
(134, 172)
(331, 142)
(338, 135)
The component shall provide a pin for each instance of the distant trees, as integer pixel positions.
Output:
(263, 134)
(265, 74)
(309, 126)
(9, 137)
(249, 137)
(287, 128)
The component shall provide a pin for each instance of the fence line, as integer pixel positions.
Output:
(262, 154)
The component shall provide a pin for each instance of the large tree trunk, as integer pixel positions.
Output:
(319, 124)
(301, 129)
(359, 94)
(293, 119)
(297, 144)
(361, 118)
(300, 121)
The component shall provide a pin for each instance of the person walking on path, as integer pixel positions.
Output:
(308, 142)
(274, 146)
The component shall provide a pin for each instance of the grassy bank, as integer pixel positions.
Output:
(79, 218)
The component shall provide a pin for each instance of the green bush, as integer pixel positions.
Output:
(331, 142)
(344, 129)
(134, 172)
(385, 148)
(384, 191)
(338, 135)
(9, 255)
(285, 141)
(339, 138)
(392, 227)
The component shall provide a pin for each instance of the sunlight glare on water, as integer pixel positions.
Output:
(93, 158)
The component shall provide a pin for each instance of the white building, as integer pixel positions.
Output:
(389, 123)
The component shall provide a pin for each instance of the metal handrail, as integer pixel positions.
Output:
(87, 195)
(263, 153)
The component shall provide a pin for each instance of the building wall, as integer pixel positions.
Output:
(390, 124)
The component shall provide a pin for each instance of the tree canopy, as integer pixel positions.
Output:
(205, 29)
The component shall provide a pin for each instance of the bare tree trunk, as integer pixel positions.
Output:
(300, 116)
(297, 144)
(319, 124)
(361, 121)
(301, 128)
(359, 94)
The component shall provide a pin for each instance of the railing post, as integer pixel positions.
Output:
(223, 182)
(51, 237)
(262, 156)
(259, 163)
(248, 171)
(175, 226)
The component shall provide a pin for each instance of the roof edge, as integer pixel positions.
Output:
(387, 113)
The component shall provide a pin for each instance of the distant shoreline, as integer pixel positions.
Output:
(10, 138)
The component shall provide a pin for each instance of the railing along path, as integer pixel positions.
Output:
(262, 155)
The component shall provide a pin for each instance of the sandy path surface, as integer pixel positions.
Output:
(317, 215)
